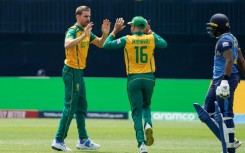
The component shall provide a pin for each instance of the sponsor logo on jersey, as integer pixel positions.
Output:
(118, 41)
(225, 44)
(84, 44)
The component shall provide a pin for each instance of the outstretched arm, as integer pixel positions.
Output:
(118, 43)
(119, 26)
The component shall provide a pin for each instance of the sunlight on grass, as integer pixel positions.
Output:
(114, 136)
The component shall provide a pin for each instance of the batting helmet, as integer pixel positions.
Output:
(219, 24)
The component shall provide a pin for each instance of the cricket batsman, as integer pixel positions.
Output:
(218, 108)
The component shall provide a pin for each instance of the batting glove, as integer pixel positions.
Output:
(223, 90)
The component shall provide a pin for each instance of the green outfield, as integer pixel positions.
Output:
(115, 136)
(103, 94)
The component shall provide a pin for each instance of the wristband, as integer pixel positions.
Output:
(226, 77)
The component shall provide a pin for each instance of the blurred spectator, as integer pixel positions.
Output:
(41, 72)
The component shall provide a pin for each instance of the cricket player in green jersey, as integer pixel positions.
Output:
(140, 67)
(77, 41)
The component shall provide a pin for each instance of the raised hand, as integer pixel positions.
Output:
(105, 28)
(119, 25)
(88, 28)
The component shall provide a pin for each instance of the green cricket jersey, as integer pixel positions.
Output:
(76, 56)
(138, 50)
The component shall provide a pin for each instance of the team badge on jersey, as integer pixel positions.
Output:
(225, 44)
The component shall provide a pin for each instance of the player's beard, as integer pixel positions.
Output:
(85, 23)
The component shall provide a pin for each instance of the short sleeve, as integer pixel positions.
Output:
(71, 33)
(92, 36)
(225, 44)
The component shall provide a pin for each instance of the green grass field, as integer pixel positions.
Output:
(114, 136)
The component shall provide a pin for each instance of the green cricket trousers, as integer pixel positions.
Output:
(140, 88)
(75, 103)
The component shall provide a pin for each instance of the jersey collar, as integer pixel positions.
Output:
(80, 28)
(139, 33)
(227, 33)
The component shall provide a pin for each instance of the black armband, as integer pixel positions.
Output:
(226, 77)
